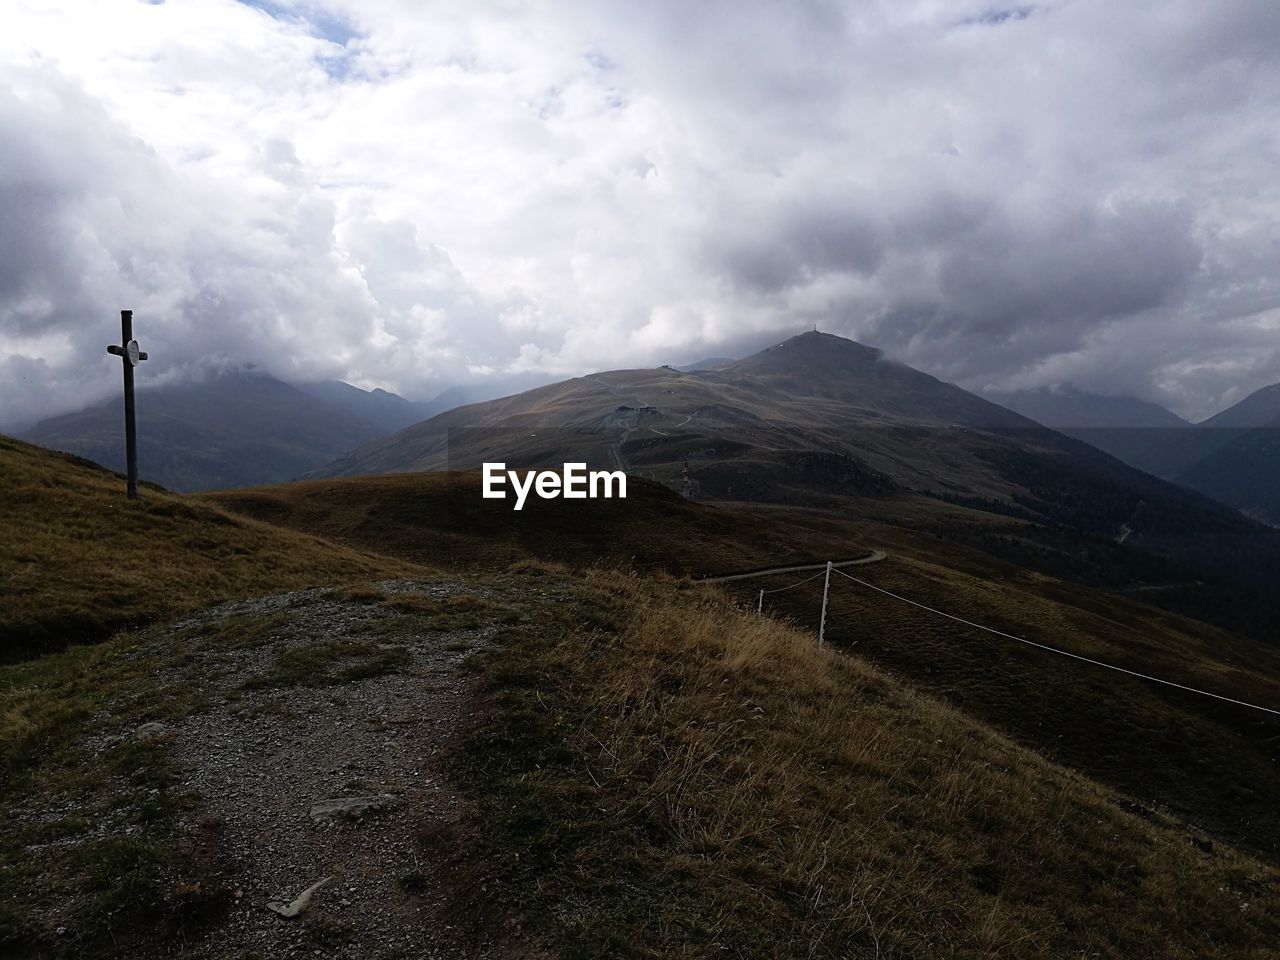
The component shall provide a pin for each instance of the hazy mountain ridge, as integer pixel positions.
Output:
(1068, 409)
(230, 430)
(1259, 409)
(1232, 457)
(389, 411)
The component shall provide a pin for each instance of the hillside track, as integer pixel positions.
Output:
(875, 556)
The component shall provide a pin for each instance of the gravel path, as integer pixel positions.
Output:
(330, 770)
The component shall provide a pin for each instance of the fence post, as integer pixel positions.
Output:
(822, 623)
(760, 605)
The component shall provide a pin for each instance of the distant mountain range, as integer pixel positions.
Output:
(1233, 457)
(1067, 410)
(462, 394)
(815, 396)
(389, 412)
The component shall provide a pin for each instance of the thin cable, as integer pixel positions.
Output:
(1065, 653)
(797, 583)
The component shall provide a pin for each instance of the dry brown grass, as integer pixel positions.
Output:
(693, 781)
(78, 560)
(442, 519)
(1209, 762)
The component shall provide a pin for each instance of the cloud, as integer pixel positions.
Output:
(1008, 196)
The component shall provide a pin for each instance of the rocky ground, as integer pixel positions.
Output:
(319, 795)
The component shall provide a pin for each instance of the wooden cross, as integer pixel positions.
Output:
(129, 353)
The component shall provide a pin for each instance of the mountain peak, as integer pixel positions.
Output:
(809, 352)
(816, 340)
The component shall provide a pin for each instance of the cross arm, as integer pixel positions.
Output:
(118, 351)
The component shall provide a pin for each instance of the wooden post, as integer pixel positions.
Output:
(129, 353)
(130, 410)
(822, 623)
(760, 605)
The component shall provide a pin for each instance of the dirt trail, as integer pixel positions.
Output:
(875, 556)
(321, 754)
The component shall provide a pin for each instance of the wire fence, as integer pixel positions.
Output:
(831, 568)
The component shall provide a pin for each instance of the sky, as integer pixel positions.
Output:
(412, 194)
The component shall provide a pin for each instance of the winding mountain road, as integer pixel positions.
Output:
(875, 556)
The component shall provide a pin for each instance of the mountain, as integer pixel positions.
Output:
(230, 430)
(821, 421)
(1259, 409)
(764, 420)
(1067, 409)
(1238, 459)
(813, 393)
(388, 411)
(1142, 434)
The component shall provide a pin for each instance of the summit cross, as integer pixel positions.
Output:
(128, 352)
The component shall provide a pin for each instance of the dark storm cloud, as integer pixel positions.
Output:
(1067, 271)
(43, 183)
(802, 242)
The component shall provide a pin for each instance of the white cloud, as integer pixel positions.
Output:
(408, 195)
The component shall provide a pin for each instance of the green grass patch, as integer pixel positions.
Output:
(116, 883)
(330, 662)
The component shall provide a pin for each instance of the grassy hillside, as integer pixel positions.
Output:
(681, 779)
(645, 769)
(1213, 765)
(79, 561)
